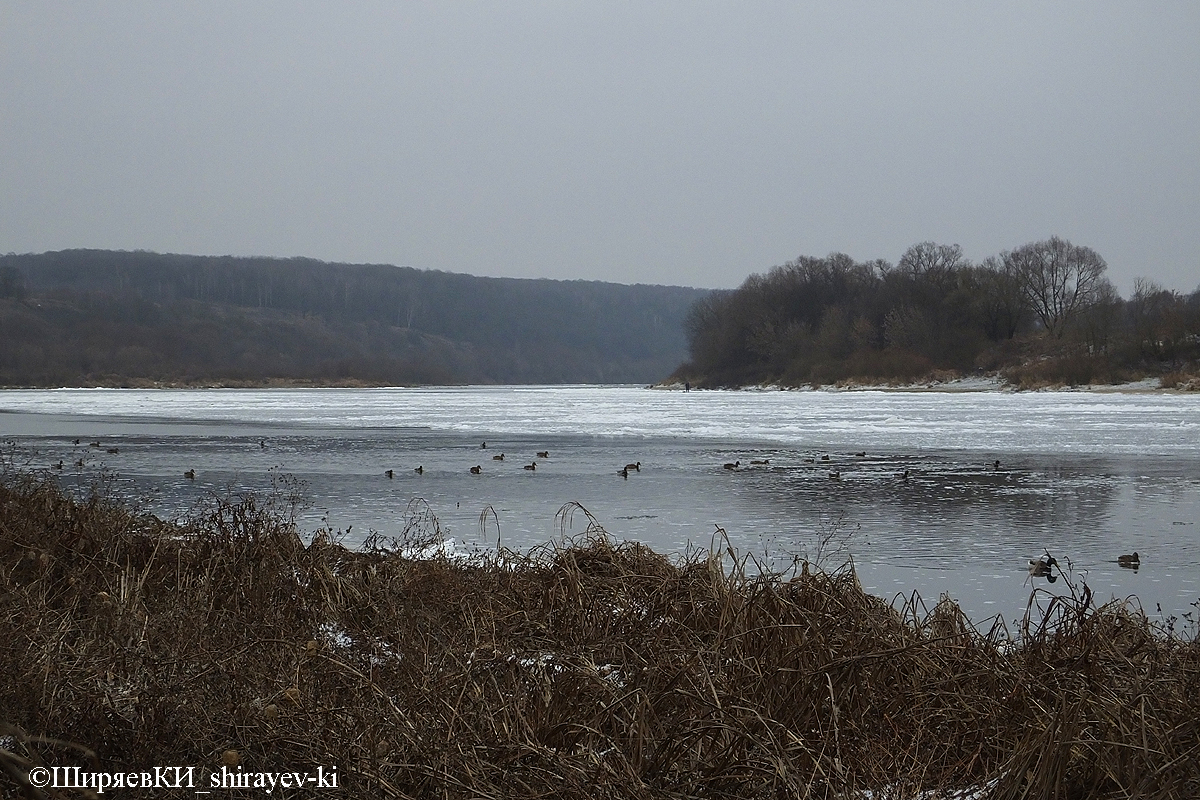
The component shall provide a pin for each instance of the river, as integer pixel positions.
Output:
(1085, 476)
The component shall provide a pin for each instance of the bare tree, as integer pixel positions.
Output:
(922, 317)
(1099, 321)
(1057, 278)
(1159, 321)
(1002, 306)
(932, 263)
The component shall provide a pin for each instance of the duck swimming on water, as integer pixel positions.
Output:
(1129, 560)
(1043, 568)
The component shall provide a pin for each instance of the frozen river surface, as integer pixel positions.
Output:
(1086, 476)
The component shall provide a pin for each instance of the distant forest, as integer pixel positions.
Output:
(112, 318)
(1041, 314)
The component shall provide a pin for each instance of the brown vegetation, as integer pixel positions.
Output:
(585, 670)
(1180, 380)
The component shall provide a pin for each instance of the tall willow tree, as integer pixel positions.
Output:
(1058, 280)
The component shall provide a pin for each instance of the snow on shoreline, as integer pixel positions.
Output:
(986, 383)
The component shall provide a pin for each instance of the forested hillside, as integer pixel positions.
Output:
(93, 317)
(1043, 313)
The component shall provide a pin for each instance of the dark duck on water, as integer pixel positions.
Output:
(1043, 568)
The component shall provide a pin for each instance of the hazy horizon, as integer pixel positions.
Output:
(676, 144)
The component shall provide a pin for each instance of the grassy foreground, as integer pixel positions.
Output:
(586, 670)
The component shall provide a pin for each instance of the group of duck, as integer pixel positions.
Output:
(80, 462)
(478, 468)
(531, 466)
(1038, 568)
(1044, 567)
(190, 474)
(834, 474)
(760, 463)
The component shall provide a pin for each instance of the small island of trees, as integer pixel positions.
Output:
(1041, 314)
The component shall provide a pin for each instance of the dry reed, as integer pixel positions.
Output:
(586, 669)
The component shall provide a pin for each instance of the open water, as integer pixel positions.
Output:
(1085, 476)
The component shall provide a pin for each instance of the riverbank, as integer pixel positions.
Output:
(984, 383)
(592, 669)
(121, 382)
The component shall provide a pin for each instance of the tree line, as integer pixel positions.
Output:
(96, 317)
(1041, 313)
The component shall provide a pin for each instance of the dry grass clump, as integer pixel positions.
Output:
(589, 669)
(1180, 379)
(1068, 369)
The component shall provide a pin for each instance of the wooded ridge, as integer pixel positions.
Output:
(97, 317)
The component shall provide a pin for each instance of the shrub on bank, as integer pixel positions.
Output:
(1072, 369)
(590, 669)
(1180, 379)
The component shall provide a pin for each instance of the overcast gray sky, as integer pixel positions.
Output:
(666, 142)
